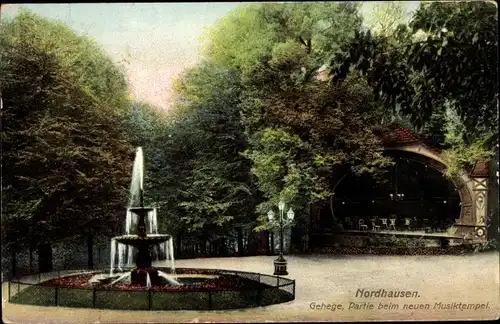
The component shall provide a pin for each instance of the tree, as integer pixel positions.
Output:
(301, 136)
(82, 57)
(143, 123)
(251, 35)
(445, 59)
(386, 17)
(65, 160)
(200, 176)
(299, 131)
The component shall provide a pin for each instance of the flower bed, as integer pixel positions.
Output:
(219, 283)
(72, 281)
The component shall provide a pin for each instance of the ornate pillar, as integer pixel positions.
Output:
(474, 195)
(479, 177)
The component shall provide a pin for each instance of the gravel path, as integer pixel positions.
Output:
(326, 279)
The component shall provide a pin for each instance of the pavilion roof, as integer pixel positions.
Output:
(480, 170)
(397, 135)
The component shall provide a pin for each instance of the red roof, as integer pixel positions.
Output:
(398, 135)
(480, 170)
(405, 135)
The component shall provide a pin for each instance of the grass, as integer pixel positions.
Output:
(33, 295)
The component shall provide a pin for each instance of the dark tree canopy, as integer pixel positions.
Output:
(447, 55)
(65, 159)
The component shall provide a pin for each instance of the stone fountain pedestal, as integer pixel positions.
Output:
(142, 242)
(139, 276)
(143, 268)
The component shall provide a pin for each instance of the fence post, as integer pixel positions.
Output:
(210, 300)
(259, 295)
(149, 299)
(39, 276)
(56, 295)
(18, 286)
(294, 289)
(93, 298)
(277, 281)
(8, 298)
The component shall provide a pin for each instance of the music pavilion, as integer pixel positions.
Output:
(413, 200)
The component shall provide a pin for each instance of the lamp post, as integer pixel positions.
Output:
(280, 263)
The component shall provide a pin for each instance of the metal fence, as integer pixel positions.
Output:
(265, 290)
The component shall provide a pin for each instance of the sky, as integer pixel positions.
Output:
(155, 41)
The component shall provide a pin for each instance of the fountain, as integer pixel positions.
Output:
(144, 239)
(184, 288)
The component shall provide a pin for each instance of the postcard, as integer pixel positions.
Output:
(249, 162)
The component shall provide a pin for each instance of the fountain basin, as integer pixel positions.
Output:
(106, 280)
(137, 241)
(217, 289)
(141, 210)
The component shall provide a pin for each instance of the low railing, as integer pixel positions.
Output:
(268, 290)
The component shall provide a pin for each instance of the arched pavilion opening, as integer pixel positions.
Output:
(414, 195)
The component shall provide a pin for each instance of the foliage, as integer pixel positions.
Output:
(80, 56)
(301, 135)
(299, 130)
(461, 154)
(490, 245)
(143, 122)
(444, 60)
(385, 17)
(200, 160)
(432, 63)
(65, 160)
(252, 35)
(394, 241)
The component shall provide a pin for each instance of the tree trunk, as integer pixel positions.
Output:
(90, 250)
(241, 250)
(31, 258)
(272, 243)
(296, 235)
(223, 247)
(203, 247)
(178, 243)
(14, 263)
(264, 242)
(44, 257)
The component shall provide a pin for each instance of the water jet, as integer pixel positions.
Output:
(145, 238)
